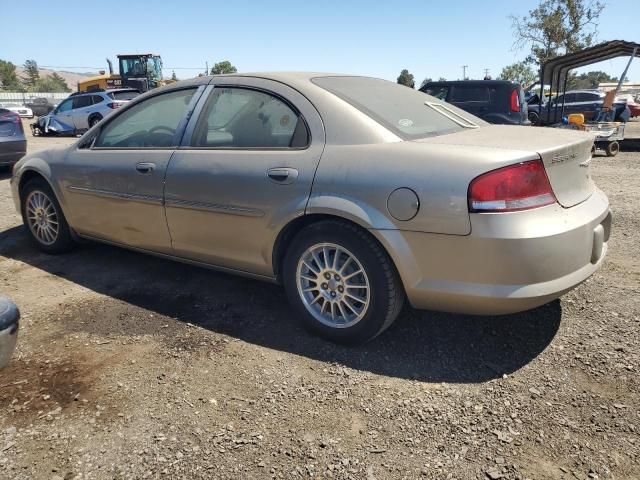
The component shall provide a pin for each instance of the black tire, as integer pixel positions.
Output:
(386, 296)
(533, 117)
(63, 239)
(93, 121)
(612, 149)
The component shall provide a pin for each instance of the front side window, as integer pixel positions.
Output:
(149, 124)
(438, 91)
(408, 113)
(244, 118)
(65, 106)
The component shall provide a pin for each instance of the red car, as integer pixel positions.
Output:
(634, 108)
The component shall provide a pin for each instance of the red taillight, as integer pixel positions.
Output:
(113, 105)
(516, 187)
(515, 101)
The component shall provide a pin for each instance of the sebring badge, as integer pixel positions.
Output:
(564, 158)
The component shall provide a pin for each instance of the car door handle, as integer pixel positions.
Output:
(282, 175)
(145, 167)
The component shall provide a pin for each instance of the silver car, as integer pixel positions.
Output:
(81, 111)
(354, 193)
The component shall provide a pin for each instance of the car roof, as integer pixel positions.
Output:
(473, 83)
(584, 90)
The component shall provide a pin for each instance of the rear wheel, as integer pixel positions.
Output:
(341, 283)
(93, 121)
(533, 117)
(612, 149)
(42, 215)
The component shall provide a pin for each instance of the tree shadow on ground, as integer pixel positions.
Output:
(426, 346)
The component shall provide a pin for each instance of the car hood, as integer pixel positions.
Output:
(566, 154)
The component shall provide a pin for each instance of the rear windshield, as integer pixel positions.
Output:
(127, 95)
(401, 109)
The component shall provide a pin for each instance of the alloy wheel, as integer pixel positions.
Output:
(42, 217)
(333, 285)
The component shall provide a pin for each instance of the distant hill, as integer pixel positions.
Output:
(71, 78)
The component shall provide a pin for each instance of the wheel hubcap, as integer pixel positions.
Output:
(42, 217)
(333, 285)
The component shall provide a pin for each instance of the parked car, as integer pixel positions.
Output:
(587, 102)
(21, 110)
(81, 111)
(40, 106)
(13, 143)
(354, 193)
(632, 104)
(495, 101)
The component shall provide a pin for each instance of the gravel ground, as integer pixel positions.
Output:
(129, 366)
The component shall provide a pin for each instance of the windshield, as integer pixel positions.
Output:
(124, 95)
(154, 69)
(408, 113)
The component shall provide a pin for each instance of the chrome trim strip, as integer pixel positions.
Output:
(135, 197)
(442, 109)
(212, 207)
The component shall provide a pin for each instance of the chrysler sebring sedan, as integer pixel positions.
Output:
(354, 193)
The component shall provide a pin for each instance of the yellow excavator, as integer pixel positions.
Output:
(142, 71)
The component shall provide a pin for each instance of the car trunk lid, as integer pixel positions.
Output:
(566, 154)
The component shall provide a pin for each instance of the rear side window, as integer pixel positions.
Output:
(149, 124)
(97, 99)
(408, 113)
(465, 93)
(244, 118)
(83, 101)
(8, 124)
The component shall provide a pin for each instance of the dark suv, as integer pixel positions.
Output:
(495, 101)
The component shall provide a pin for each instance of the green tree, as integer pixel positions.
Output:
(223, 67)
(32, 74)
(556, 27)
(588, 80)
(51, 83)
(425, 81)
(406, 79)
(519, 72)
(8, 78)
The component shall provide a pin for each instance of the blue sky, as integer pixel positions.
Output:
(360, 37)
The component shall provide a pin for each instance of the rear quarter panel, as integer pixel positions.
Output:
(355, 182)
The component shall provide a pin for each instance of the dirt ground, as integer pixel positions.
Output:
(129, 366)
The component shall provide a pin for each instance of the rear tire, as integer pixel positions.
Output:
(341, 304)
(93, 121)
(533, 117)
(612, 149)
(41, 213)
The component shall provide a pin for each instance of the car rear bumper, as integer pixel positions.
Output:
(11, 152)
(510, 262)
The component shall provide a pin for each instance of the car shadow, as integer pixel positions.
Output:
(425, 346)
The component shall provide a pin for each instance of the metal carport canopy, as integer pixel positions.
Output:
(555, 69)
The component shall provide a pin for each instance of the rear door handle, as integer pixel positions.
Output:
(145, 167)
(282, 175)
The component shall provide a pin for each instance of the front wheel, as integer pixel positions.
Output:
(42, 215)
(341, 282)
